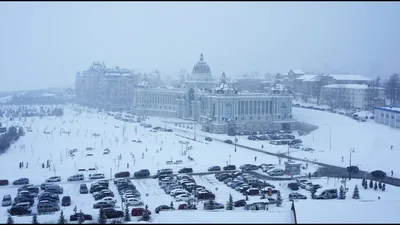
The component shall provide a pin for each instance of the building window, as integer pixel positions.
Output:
(242, 117)
(251, 118)
(251, 107)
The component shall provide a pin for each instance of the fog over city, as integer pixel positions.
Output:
(45, 44)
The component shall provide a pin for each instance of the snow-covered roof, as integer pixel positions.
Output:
(297, 71)
(352, 77)
(47, 95)
(144, 84)
(308, 77)
(347, 86)
(389, 109)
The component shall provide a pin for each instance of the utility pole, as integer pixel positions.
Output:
(194, 130)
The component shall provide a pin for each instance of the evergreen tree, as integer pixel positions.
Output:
(146, 216)
(229, 205)
(342, 193)
(383, 187)
(102, 217)
(356, 194)
(279, 199)
(375, 186)
(365, 185)
(35, 219)
(172, 205)
(371, 184)
(380, 185)
(10, 220)
(127, 216)
(62, 220)
(81, 219)
(212, 207)
(363, 182)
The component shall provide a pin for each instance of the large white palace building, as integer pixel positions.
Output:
(215, 104)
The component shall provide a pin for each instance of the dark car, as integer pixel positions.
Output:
(18, 211)
(205, 196)
(240, 203)
(162, 208)
(21, 181)
(139, 211)
(230, 167)
(142, 173)
(186, 170)
(83, 189)
(111, 213)
(122, 174)
(214, 205)
(214, 168)
(353, 169)
(208, 139)
(102, 183)
(97, 188)
(187, 207)
(3, 182)
(99, 196)
(23, 199)
(296, 195)
(66, 201)
(293, 186)
(76, 216)
(165, 172)
(378, 174)
(228, 141)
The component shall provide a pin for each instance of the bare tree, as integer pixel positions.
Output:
(392, 89)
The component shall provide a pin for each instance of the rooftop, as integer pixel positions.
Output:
(308, 77)
(352, 77)
(297, 71)
(348, 86)
(395, 109)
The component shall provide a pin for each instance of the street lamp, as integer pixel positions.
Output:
(350, 169)
(330, 137)
(229, 159)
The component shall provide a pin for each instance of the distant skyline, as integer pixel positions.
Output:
(44, 44)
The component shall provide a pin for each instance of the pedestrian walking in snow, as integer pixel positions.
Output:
(262, 146)
(127, 165)
(146, 149)
(26, 164)
(342, 159)
(392, 173)
(309, 175)
(255, 159)
(391, 147)
(42, 165)
(22, 164)
(142, 155)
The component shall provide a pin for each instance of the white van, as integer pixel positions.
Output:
(76, 177)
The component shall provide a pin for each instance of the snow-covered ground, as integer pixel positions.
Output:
(36, 147)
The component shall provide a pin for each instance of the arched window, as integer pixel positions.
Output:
(228, 111)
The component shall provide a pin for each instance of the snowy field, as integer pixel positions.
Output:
(36, 147)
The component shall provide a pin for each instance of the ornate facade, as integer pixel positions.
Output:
(215, 104)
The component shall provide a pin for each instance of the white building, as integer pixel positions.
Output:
(359, 96)
(388, 115)
(215, 104)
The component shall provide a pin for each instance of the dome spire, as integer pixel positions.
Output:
(223, 80)
(201, 57)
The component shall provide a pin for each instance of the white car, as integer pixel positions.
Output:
(309, 186)
(96, 176)
(110, 200)
(54, 179)
(133, 201)
(182, 197)
(177, 190)
(126, 196)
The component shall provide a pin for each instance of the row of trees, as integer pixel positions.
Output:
(24, 111)
(13, 134)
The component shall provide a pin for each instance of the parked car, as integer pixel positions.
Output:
(378, 174)
(23, 199)
(97, 188)
(228, 141)
(53, 179)
(208, 139)
(296, 195)
(183, 197)
(102, 204)
(76, 216)
(252, 191)
(76, 177)
(96, 176)
(45, 206)
(214, 205)
(276, 172)
(66, 201)
(55, 189)
(353, 169)
(111, 213)
(214, 168)
(186, 207)
(186, 170)
(6, 200)
(240, 203)
(230, 167)
(18, 211)
(328, 194)
(142, 173)
(21, 181)
(133, 201)
(139, 211)
(293, 186)
(3, 182)
(122, 174)
(83, 189)
(162, 208)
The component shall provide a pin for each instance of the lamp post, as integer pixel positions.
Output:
(351, 150)
(229, 159)
(330, 137)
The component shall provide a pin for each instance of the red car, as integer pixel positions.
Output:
(186, 207)
(3, 182)
(139, 211)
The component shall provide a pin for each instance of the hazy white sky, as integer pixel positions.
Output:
(45, 44)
